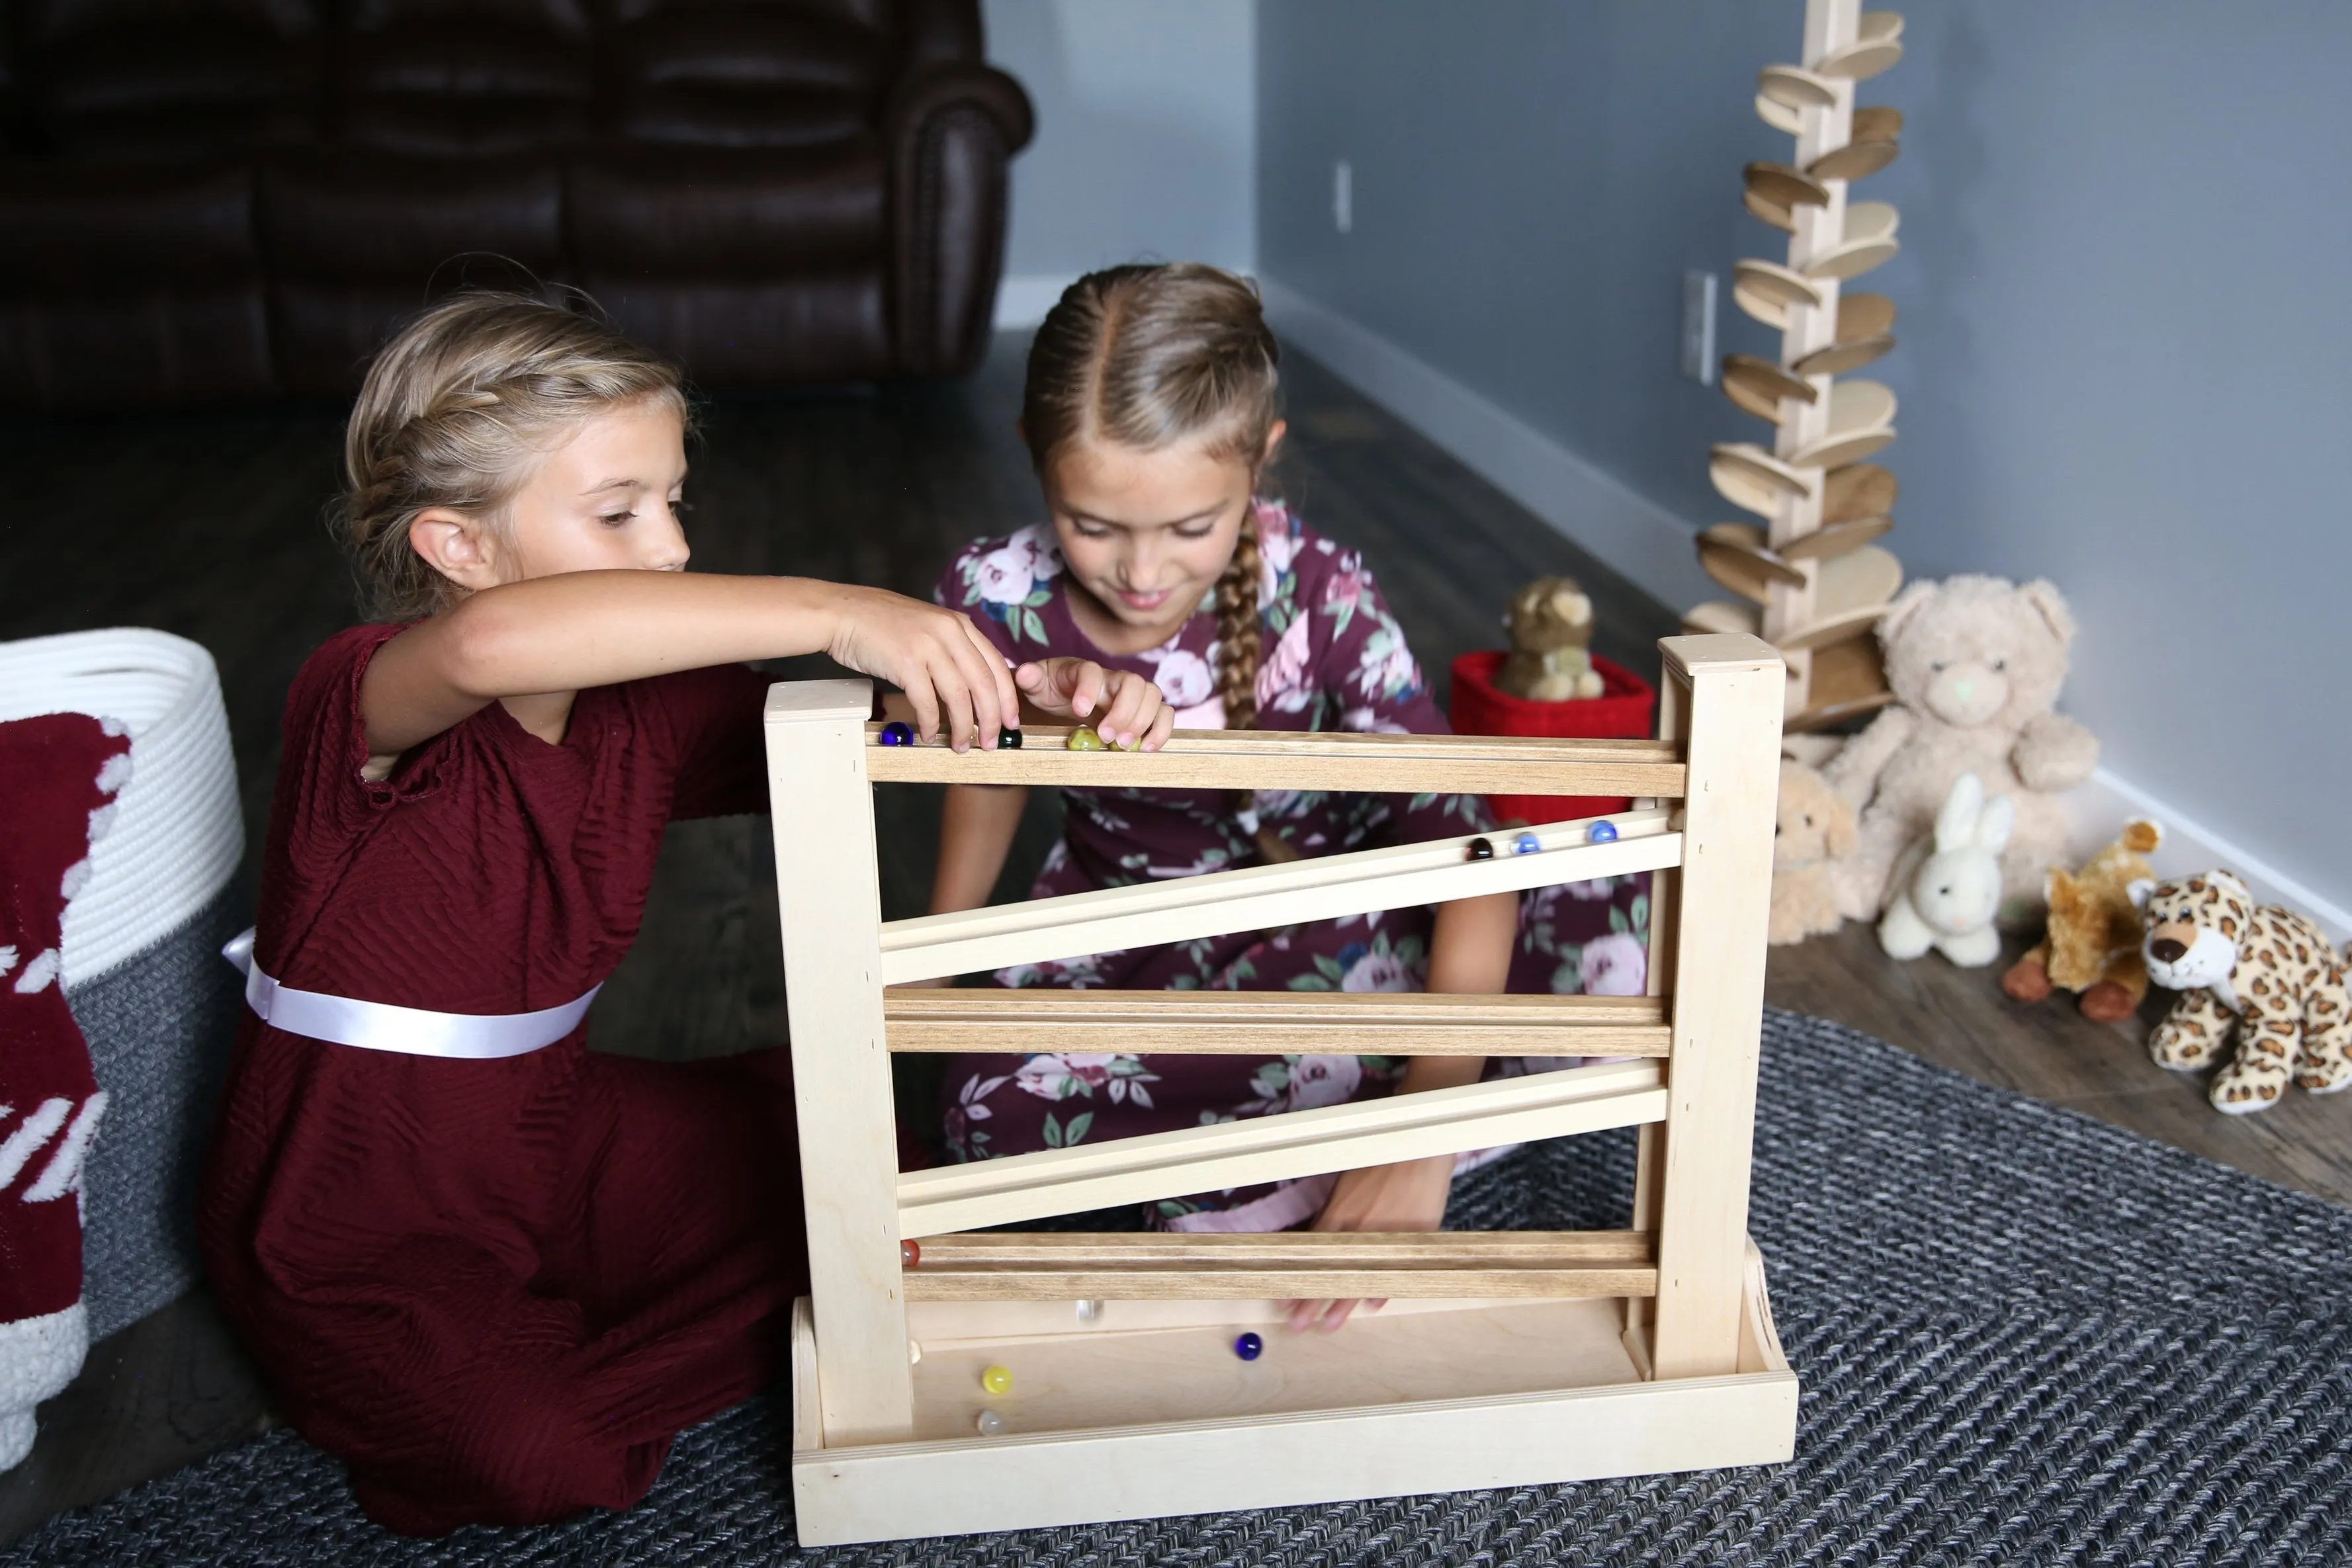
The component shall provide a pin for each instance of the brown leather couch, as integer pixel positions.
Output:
(224, 201)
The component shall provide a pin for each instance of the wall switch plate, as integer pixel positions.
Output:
(1698, 327)
(1343, 196)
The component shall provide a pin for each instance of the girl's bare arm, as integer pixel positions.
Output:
(580, 629)
(976, 828)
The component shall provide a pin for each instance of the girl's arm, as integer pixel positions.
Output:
(1469, 954)
(976, 828)
(578, 629)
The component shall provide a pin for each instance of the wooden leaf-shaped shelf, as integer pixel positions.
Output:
(1849, 680)
(1852, 593)
(1765, 289)
(1756, 386)
(1793, 87)
(1855, 161)
(1864, 332)
(1832, 538)
(1860, 421)
(1856, 491)
(1877, 44)
(1774, 190)
(1876, 123)
(1778, 115)
(1869, 240)
(1737, 555)
(1750, 477)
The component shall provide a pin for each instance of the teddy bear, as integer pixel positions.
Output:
(1550, 622)
(2093, 944)
(2207, 938)
(1811, 827)
(1975, 664)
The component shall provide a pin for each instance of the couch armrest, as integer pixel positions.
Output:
(950, 131)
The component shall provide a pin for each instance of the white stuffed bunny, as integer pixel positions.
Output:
(1947, 895)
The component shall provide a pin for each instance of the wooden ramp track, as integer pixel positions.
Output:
(1260, 898)
(1279, 1148)
(1070, 1266)
(1270, 1023)
(1324, 760)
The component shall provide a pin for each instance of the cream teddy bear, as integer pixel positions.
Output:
(1812, 827)
(1975, 664)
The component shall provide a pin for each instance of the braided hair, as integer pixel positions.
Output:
(455, 413)
(1149, 355)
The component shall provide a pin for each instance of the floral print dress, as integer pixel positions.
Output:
(1332, 658)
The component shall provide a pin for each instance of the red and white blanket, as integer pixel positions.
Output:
(58, 777)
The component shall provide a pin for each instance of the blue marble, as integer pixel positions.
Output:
(1524, 844)
(1601, 833)
(1249, 1347)
(895, 733)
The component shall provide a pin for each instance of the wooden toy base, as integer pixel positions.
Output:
(1146, 1411)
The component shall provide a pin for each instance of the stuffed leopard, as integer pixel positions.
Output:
(2208, 938)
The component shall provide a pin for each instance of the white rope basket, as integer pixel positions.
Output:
(178, 832)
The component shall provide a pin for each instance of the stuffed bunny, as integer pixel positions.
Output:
(1947, 894)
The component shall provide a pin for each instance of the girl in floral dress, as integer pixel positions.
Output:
(1151, 411)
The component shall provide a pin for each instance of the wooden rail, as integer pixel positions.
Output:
(1279, 1148)
(1264, 897)
(1274, 758)
(1265, 1023)
(1443, 1265)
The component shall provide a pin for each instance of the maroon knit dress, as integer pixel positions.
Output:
(497, 1289)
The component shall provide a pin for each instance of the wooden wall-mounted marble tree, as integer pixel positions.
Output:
(1810, 580)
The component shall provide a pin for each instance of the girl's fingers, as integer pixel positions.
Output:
(1000, 680)
(1030, 678)
(926, 707)
(1087, 691)
(1163, 724)
(1132, 700)
(954, 699)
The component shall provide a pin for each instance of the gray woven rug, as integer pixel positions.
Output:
(2024, 1337)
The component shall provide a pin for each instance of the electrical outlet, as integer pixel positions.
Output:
(1343, 196)
(1698, 327)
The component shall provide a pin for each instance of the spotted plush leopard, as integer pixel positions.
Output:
(2208, 938)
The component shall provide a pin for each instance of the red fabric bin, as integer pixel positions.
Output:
(1626, 709)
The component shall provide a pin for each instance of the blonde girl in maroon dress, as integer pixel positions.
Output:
(1150, 413)
(491, 1270)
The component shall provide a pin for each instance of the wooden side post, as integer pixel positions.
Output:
(828, 890)
(1699, 1163)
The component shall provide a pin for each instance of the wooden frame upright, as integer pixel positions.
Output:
(1504, 1359)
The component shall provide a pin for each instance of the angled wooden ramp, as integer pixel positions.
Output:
(1503, 1359)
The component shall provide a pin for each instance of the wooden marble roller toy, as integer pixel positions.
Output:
(1807, 576)
(949, 1376)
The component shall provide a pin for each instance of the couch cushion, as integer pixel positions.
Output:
(430, 125)
(744, 76)
(820, 327)
(323, 334)
(719, 214)
(362, 216)
(99, 228)
(188, 91)
(152, 347)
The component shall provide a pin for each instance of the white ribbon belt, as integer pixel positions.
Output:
(414, 1031)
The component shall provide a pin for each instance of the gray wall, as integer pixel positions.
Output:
(1146, 131)
(2125, 329)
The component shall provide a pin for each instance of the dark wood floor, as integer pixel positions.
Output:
(209, 526)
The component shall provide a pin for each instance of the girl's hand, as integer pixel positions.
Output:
(1409, 1195)
(949, 671)
(1125, 710)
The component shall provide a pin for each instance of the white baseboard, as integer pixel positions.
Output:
(1627, 531)
(1654, 547)
(1024, 298)
(2097, 811)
